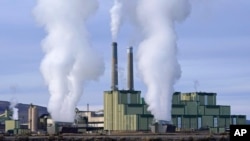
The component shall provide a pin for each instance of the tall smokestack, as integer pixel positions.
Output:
(114, 85)
(130, 75)
(87, 107)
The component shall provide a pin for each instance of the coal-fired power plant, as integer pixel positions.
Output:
(114, 85)
(130, 73)
(128, 112)
(132, 100)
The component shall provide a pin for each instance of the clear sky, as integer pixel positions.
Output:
(213, 50)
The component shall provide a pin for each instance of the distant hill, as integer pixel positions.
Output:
(22, 110)
(248, 122)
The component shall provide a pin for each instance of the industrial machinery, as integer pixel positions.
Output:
(161, 126)
(5, 116)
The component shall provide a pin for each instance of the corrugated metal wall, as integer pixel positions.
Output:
(201, 105)
(225, 110)
(119, 115)
(134, 109)
(191, 108)
(178, 110)
(212, 110)
(108, 110)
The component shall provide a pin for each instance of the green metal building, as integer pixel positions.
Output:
(198, 110)
(125, 110)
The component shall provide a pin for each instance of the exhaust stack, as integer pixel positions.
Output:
(130, 75)
(114, 73)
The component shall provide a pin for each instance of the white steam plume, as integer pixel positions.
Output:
(15, 114)
(157, 60)
(122, 11)
(157, 54)
(12, 107)
(116, 18)
(69, 60)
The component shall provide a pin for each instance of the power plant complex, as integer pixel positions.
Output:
(126, 111)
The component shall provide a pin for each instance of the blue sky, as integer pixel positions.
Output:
(213, 49)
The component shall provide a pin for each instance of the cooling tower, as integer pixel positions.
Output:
(130, 75)
(114, 72)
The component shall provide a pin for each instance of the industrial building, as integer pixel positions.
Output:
(14, 126)
(198, 110)
(5, 116)
(85, 121)
(11, 124)
(90, 119)
(125, 110)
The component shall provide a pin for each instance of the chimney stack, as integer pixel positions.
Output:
(87, 107)
(130, 75)
(114, 73)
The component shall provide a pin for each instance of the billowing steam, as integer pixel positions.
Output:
(12, 107)
(116, 18)
(157, 60)
(122, 11)
(69, 60)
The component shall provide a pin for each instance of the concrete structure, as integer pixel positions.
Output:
(198, 110)
(32, 118)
